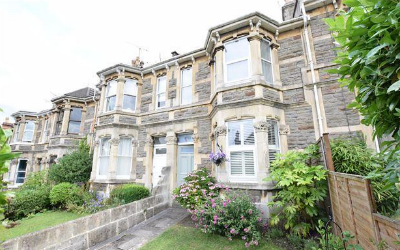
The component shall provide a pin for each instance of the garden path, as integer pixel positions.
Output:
(137, 236)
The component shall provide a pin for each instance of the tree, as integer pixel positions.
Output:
(74, 167)
(368, 35)
(5, 156)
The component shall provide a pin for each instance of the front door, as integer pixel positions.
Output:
(159, 161)
(185, 162)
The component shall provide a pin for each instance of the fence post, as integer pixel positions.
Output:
(328, 152)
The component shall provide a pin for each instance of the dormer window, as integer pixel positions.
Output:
(237, 60)
(111, 95)
(130, 93)
(28, 132)
(266, 61)
(161, 89)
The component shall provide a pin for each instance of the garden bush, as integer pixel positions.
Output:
(197, 188)
(302, 187)
(74, 167)
(354, 157)
(35, 180)
(233, 216)
(28, 201)
(65, 193)
(128, 193)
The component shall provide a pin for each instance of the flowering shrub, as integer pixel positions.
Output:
(198, 186)
(233, 216)
(93, 205)
(218, 157)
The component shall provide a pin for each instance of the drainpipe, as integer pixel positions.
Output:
(311, 63)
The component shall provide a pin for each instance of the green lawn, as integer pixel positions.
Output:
(187, 238)
(38, 222)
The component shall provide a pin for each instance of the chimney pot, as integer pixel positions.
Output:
(174, 53)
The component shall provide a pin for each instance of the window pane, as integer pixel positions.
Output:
(248, 162)
(124, 165)
(267, 71)
(159, 140)
(112, 88)
(29, 126)
(125, 147)
(28, 136)
(185, 138)
(265, 51)
(111, 103)
(73, 127)
(187, 77)
(105, 147)
(162, 86)
(161, 151)
(238, 70)
(129, 102)
(161, 100)
(76, 114)
(130, 87)
(248, 132)
(272, 155)
(20, 177)
(234, 136)
(103, 165)
(236, 163)
(187, 95)
(22, 165)
(273, 134)
(236, 50)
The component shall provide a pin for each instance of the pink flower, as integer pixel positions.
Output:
(224, 204)
(246, 230)
(255, 243)
(213, 205)
(247, 245)
(250, 211)
(232, 231)
(259, 219)
(243, 237)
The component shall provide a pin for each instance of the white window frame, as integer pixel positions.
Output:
(187, 87)
(277, 146)
(242, 148)
(126, 156)
(33, 132)
(17, 171)
(16, 135)
(160, 93)
(44, 132)
(136, 94)
(265, 60)
(99, 156)
(107, 96)
(238, 60)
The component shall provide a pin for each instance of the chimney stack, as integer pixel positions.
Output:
(174, 53)
(137, 63)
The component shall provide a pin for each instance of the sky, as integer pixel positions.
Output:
(48, 48)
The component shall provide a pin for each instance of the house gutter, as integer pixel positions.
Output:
(311, 63)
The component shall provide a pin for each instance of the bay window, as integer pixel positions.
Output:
(28, 132)
(21, 171)
(130, 93)
(241, 148)
(75, 121)
(273, 140)
(266, 61)
(124, 158)
(186, 86)
(161, 89)
(111, 95)
(104, 156)
(237, 61)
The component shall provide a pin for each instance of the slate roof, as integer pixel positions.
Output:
(83, 93)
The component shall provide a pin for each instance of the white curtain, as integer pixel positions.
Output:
(124, 157)
(104, 157)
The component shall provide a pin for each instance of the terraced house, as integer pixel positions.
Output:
(256, 88)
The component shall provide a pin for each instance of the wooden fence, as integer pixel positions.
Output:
(353, 208)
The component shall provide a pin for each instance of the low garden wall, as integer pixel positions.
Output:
(90, 230)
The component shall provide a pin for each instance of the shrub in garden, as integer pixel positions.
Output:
(302, 188)
(74, 167)
(197, 188)
(35, 180)
(64, 193)
(233, 216)
(128, 193)
(354, 157)
(28, 201)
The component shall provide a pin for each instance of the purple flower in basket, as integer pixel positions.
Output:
(218, 157)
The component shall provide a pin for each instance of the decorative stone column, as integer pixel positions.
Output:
(275, 64)
(95, 159)
(148, 161)
(220, 135)
(102, 97)
(261, 128)
(135, 144)
(35, 131)
(219, 63)
(83, 118)
(112, 171)
(53, 122)
(120, 91)
(255, 55)
(172, 142)
(67, 113)
(21, 128)
(139, 85)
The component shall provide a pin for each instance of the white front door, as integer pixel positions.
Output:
(185, 162)
(159, 161)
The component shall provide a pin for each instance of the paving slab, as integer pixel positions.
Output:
(137, 236)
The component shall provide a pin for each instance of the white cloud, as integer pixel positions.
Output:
(48, 48)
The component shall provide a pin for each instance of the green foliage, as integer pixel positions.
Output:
(368, 35)
(353, 157)
(74, 167)
(302, 187)
(275, 233)
(197, 188)
(35, 180)
(64, 193)
(234, 215)
(28, 201)
(129, 193)
(5, 157)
